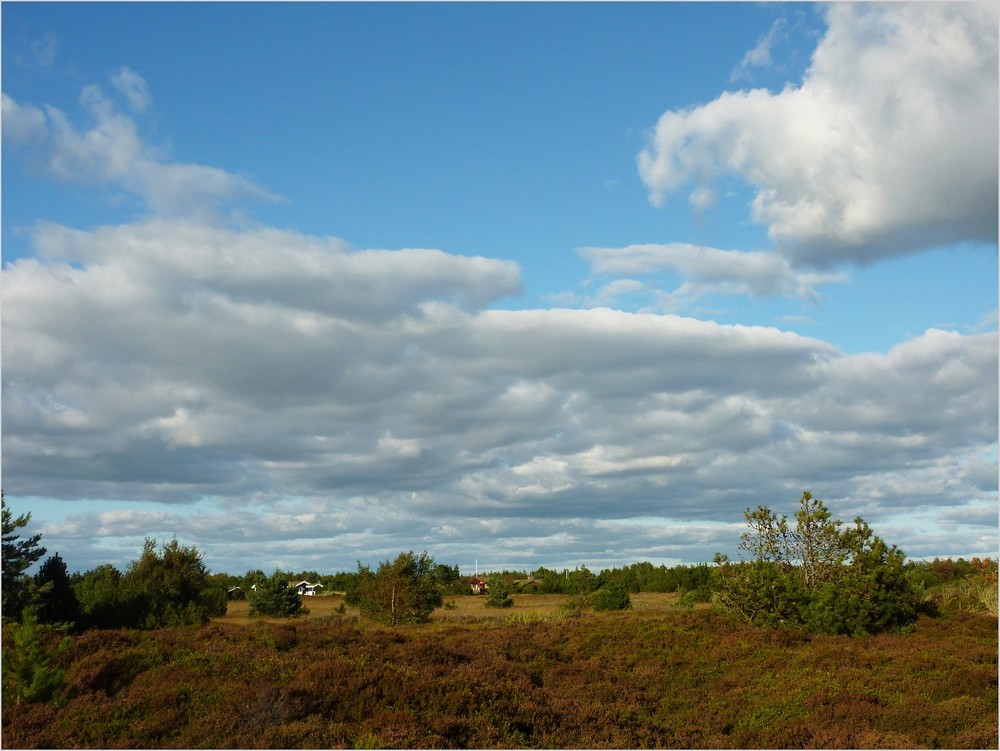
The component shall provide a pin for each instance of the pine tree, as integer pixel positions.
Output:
(54, 599)
(18, 557)
(273, 597)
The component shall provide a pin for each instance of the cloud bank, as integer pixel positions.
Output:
(887, 147)
(372, 400)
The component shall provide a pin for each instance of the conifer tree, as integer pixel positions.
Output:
(18, 556)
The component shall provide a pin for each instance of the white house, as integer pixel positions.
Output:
(306, 589)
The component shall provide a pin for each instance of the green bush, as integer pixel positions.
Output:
(817, 576)
(103, 602)
(498, 596)
(171, 587)
(611, 596)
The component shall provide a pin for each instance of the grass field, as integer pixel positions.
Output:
(466, 607)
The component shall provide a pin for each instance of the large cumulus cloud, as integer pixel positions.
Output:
(888, 146)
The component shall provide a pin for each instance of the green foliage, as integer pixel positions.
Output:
(18, 556)
(29, 674)
(166, 587)
(103, 602)
(54, 600)
(171, 587)
(579, 581)
(272, 596)
(817, 576)
(342, 581)
(611, 596)
(401, 591)
(450, 580)
(498, 595)
(645, 577)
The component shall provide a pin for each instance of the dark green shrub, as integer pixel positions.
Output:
(103, 602)
(164, 587)
(611, 596)
(170, 587)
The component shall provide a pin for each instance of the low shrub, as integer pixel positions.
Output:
(633, 679)
(612, 596)
(498, 596)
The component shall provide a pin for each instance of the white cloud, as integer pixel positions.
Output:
(709, 270)
(280, 375)
(887, 147)
(112, 153)
(133, 87)
(760, 55)
(22, 124)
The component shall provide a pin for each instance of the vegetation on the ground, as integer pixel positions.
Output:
(568, 676)
(171, 586)
(167, 585)
(637, 679)
(30, 671)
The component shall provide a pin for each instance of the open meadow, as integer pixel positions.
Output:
(543, 674)
(461, 608)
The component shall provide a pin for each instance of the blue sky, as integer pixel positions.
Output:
(538, 284)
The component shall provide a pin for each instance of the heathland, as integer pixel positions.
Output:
(545, 673)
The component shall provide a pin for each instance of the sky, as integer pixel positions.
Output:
(520, 285)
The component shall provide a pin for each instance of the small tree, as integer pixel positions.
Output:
(18, 556)
(817, 576)
(29, 670)
(401, 591)
(497, 594)
(272, 596)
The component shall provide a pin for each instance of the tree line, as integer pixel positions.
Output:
(815, 574)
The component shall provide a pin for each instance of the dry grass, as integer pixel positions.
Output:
(466, 608)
